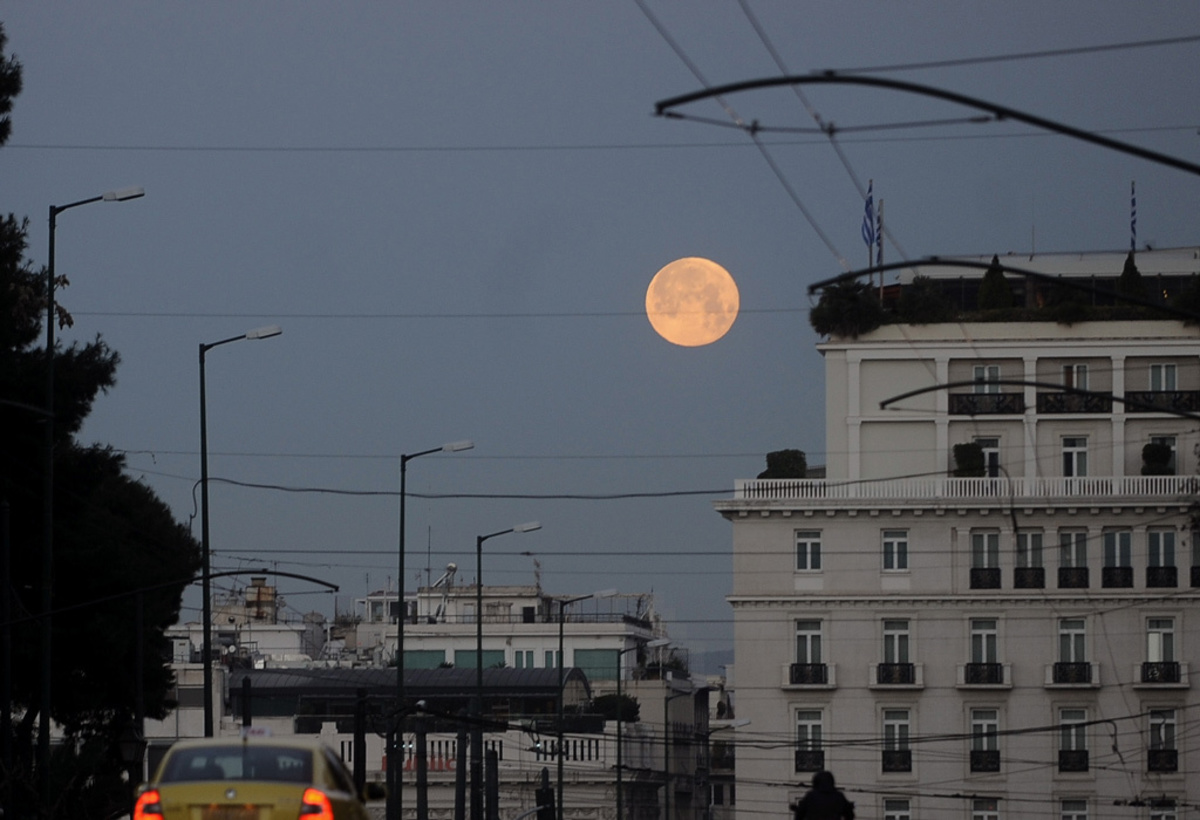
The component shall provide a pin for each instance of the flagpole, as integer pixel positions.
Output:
(1133, 216)
(879, 245)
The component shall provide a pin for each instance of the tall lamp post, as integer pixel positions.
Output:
(563, 603)
(206, 605)
(477, 707)
(396, 757)
(48, 483)
(654, 644)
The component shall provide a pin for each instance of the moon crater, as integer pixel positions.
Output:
(692, 302)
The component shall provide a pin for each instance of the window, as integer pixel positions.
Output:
(983, 640)
(1162, 378)
(808, 642)
(1161, 545)
(1160, 640)
(1074, 456)
(1029, 572)
(895, 549)
(985, 723)
(1162, 728)
(1072, 549)
(1074, 810)
(553, 659)
(597, 664)
(1117, 548)
(1072, 738)
(1076, 376)
(808, 550)
(808, 730)
(895, 642)
(985, 808)
(523, 659)
(466, 658)
(1072, 638)
(896, 729)
(896, 810)
(985, 550)
(986, 377)
(1163, 810)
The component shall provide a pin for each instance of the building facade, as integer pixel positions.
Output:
(1013, 643)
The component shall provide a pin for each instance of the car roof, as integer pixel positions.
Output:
(253, 740)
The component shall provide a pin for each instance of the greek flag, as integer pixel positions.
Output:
(1132, 216)
(868, 223)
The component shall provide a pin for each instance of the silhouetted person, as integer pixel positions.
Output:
(824, 801)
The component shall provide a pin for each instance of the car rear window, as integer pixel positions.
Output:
(239, 762)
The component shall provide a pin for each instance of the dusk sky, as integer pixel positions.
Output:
(454, 210)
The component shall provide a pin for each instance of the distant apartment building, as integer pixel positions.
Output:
(1017, 642)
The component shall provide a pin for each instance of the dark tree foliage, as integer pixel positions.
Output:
(922, 302)
(785, 464)
(1189, 300)
(1156, 459)
(10, 87)
(1130, 282)
(848, 309)
(112, 538)
(968, 460)
(995, 293)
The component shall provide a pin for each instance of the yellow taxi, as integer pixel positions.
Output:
(252, 778)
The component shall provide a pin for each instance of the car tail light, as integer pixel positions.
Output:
(148, 806)
(314, 805)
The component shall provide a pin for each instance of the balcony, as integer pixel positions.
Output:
(1072, 760)
(1162, 577)
(985, 760)
(1162, 760)
(810, 760)
(1157, 401)
(1029, 578)
(1116, 577)
(897, 761)
(808, 674)
(985, 578)
(987, 674)
(987, 404)
(1161, 672)
(1070, 673)
(1072, 577)
(1051, 403)
(1196, 575)
(940, 488)
(895, 674)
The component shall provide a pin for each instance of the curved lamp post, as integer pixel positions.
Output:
(654, 644)
(43, 756)
(477, 729)
(395, 806)
(563, 603)
(206, 568)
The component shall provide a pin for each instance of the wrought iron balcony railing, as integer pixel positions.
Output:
(983, 673)
(1153, 401)
(1072, 577)
(897, 760)
(1029, 578)
(1072, 760)
(985, 760)
(896, 674)
(1161, 672)
(985, 578)
(810, 760)
(987, 404)
(1160, 577)
(1116, 577)
(1051, 403)
(1072, 672)
(1162, 760)
(808, 674)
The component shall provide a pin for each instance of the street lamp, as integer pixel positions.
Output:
(48, 482)
(563, 603)
(654, 644)
(477, 729)
(396, 766)
(206, 606)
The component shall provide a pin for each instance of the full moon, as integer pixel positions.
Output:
(692, 302)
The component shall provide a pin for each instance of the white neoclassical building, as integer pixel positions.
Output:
(1007, 645)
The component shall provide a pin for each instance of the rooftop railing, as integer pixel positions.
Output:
(944, 487)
